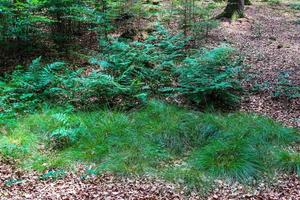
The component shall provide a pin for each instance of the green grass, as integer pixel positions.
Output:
(160, 139)
(289, 160)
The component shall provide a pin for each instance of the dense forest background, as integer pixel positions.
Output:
(190, 97)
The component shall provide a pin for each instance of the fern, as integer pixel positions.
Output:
(285, 87)
(210, 76)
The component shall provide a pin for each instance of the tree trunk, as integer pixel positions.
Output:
(248, 2)
(234, 9)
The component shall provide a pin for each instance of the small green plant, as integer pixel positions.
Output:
(210, 77)
(235, 159)
(203, 23)
(285, 87)
(12, 182)
(9, 150)
(53, 175)
(295, 6)
(273, 2)
(62, 137)
(288, 161)
(66, 134)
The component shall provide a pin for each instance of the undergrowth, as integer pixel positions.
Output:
(125, 75)
(159, 139)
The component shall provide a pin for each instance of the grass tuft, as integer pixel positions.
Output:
(288, 161)
(150, 140)
(234, 159)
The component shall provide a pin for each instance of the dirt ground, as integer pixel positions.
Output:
(269, 39)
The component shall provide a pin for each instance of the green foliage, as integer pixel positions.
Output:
(160, 139)
(273, 2)
(295, 6)
(285, 87)
(58, 21)
(192, 178)
(146, 66)
(19, 21)
(53, 175)
(234, 159)
(150, 140)
(67, 134)
(288, 161)
(11, 150)
(204, 23)
(210, 76)
(27, 88)
(13, 181)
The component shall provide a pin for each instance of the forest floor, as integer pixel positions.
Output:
(18, 185)
(270, 41)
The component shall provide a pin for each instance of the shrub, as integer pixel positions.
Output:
(62, 137)
(144, 66)
(26, 89)
(204, 22)
(210, 76)
(19, 23)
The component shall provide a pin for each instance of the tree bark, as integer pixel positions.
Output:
(234, 9)
(248, 2)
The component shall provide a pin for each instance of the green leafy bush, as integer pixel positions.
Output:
(27, 88)
(204, 22)
(125, 74)
(145, 67)
(66, 135)
(20, 23)
(210, 76)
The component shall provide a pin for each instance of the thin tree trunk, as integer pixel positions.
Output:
(234, 9)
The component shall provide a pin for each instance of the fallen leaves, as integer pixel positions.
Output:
(269, 40)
